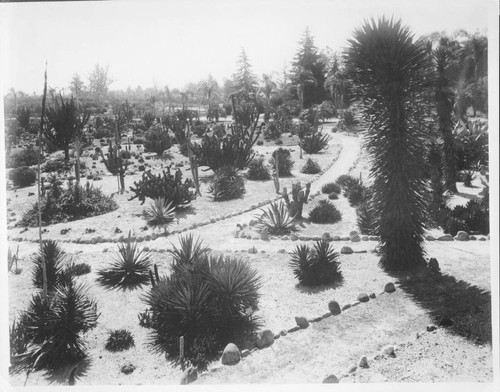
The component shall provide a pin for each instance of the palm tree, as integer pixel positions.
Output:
(388, 70)
(445, 56)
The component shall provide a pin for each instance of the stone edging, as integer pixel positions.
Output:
(154, 236)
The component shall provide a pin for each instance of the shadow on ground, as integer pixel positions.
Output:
(467, 306)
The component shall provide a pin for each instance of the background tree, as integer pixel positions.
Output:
(77, 85)
(99, 82)
(388, 70)
(445, 60)
(244, 79)
(306, 67)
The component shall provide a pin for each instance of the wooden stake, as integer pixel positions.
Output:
(181, 351)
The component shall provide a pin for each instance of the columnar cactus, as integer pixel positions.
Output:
(299, 198)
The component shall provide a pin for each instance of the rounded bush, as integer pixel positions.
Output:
(325, 212)
(119, 340)
(330, 187)
(22, 176)
(157, 140)
(285, 163)
(311, 167)
(25, 157)
(227, 184)
(257, 170)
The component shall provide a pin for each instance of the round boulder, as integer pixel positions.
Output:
(462, 236)
(389, 287)
(363, 362)
(346, 250)
(363, 297)
(231, 355)
(388, 350)
(301, 322)
(331, 379)
(334, 308)
(264, 339)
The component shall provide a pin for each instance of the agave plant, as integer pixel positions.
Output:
(277, 219)
(160, 213)
(316, 266)
(129, 269)
(54, 326)
(189, 251)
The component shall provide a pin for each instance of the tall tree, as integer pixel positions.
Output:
(77, 85)
(244, 79)
(65, 123)
(308, 66)
(445, 58)
(389, 73)
(99, 82)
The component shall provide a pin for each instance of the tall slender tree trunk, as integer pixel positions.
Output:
(44, 266)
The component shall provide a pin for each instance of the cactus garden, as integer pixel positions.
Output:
(329, 222)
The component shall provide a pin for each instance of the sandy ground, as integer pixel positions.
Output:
(309, 355)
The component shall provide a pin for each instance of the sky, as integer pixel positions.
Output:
(174, 42)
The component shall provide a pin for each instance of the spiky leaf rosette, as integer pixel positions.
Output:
(277, 219)
(366, 219)
(160, 213)
(129, 269)
(317, 265)
(54, 257)
(189, 250)
(389, 73)
(54, 327)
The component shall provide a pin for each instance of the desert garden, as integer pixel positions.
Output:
(332, 228)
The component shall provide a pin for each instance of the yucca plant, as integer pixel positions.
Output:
(277, 219)
(54, 257)
(54, 326)
(18, 337)
(389, 72)
(366, 219)
(234, 286)
(356, 192)
(160, 213)
(226, 184)
(189, 250)
(317, 265)
(129, 269)
(345, 180)
(314, 142)
(205, 301)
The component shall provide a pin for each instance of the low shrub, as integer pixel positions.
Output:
(25, 157)
(473, 217)
(466, 177)
(366, 219)
(22, 176)
(257, 170)
(169, 186)
(129, 268)
(159, 214)
(55, 327)
(277, 219)
(330, 187)
(471, 145)
(78, 269)
(204, 299)
(311, 167)
(345, 180)
(74, 202)
(57, 166)
(157, 140)
(285, 163)
(325, 212)
(356, 192)
(314, 142)
(139, 140)
(226, 184)
(145, 319)
(119, 340)
(317, 265)
(199, 128)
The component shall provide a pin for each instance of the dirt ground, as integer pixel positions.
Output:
(458, 353)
